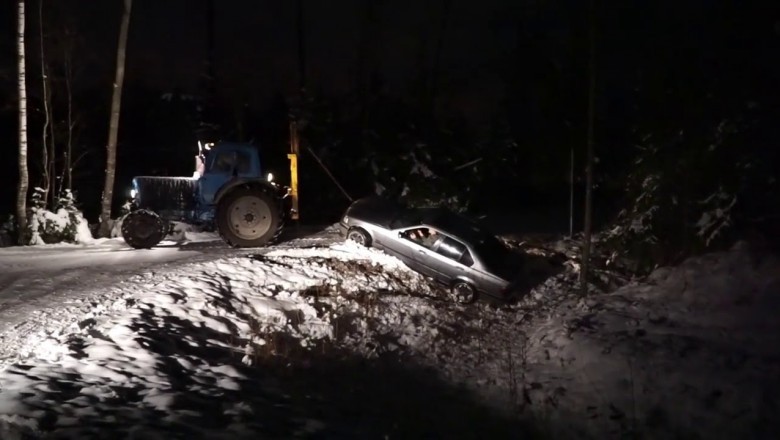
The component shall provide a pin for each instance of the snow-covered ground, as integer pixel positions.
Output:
(37, 276)
(318, 337)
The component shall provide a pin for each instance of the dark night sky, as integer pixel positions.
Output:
(257, 40)
(256, 49)
(256, 45)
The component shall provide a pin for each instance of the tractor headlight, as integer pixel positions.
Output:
(133, 193)
(270, 177)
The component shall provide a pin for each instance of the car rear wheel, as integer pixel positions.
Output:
(462, 292)
(359, 236)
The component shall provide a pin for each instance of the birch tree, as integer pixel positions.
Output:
(113, 128)
(47, 133)
(21, 194)
(67, 167)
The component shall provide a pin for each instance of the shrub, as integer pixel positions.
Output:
(66, 224)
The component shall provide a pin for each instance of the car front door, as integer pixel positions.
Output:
(412, 252)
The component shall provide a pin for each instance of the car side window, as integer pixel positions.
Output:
(466, 259)
(423, 236)
(455, 250)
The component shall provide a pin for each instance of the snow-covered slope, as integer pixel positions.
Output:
(307, 338)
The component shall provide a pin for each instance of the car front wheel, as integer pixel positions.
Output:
(463, 293)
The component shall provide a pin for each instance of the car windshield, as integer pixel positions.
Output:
(405, 219)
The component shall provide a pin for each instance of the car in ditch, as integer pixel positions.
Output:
(450, 248)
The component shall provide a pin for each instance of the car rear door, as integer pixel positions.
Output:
(452, 259)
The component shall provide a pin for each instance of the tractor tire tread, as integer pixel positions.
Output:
(274, 238)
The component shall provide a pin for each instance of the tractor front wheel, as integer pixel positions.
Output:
(143, 229)
(248, 217)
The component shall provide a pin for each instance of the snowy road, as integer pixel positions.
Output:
(32, 277)
(37, 277)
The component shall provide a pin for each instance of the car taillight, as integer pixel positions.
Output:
(509, 288)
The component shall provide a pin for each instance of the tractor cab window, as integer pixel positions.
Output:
(243, 163)
(424, 236)
(227, 162)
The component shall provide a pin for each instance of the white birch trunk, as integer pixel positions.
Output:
(21, 195)
(113, 128)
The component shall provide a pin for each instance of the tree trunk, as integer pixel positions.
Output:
(434, 76)
(21, 194)
(211, 62)
(47, 121)
(113, 128)
(586, 242)
(365, 63)
(423, 58)
(67, 169)
(301, 47)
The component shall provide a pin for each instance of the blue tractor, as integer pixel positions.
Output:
(227, 192)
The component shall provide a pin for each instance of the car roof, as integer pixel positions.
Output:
(454, 224)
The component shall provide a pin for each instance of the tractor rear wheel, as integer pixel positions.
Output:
(143, 229)
(248, 217)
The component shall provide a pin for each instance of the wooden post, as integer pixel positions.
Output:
(293, 156)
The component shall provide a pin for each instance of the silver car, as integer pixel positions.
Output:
(450, 248)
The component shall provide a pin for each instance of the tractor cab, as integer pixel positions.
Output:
(218, 164)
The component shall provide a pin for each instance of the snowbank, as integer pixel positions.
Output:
(225, 313)
(690, 352)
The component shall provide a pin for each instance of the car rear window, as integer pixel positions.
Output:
(455, 250)
(492, 253)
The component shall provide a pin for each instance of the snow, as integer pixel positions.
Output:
(713, 222)
(690, 351)
(419, 167)
(83, 234)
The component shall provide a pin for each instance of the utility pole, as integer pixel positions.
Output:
(296, 112)
(210, 64)
(301, 49)
(586, 244)
(293, 156)
(571, 193)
